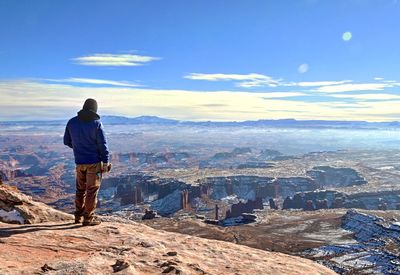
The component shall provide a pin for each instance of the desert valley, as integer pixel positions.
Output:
(329, 193)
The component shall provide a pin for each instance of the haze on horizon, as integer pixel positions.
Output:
(201, 60)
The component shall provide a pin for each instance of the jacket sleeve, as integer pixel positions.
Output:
(102, 144)
(67, 138)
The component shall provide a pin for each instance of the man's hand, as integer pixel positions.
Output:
(106, 167)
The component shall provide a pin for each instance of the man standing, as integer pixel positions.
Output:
(85, 135)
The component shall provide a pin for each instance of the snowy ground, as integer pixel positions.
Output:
(376, 250)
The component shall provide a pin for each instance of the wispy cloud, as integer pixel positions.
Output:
(354, 87)
(320, 83)
(260, 80)
(92, 81)
(308, 87)
(241, 80)
(27, 99)
(114, 60)
(283, 94)
(368, 96)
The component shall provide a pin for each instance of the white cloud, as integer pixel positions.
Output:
(354, 87)
(259, 80)
(95, 82)
(242, 80)
(25, 99)
(368, 96)
(282, 94)
(319, 83)
(114, 60)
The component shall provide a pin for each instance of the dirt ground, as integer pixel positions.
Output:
(282, 231)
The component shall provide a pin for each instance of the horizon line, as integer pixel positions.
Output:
(201, 121)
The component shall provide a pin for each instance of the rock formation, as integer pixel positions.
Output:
(374, 251)
(126, 247)
(162, 192)
(149, 215)
(374, 200)
(335, 177)
(309, 206)
(185, 200)
(272, 204)
(241, 207)
(250, 187)
(337, 203)
(16, 207)
(65, 248)
(165, 159)
(287, 203)
(321, 204)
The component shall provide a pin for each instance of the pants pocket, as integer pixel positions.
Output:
(94, 175)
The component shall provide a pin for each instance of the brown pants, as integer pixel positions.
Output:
(88, 180)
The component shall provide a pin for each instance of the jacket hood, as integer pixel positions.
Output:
(87, 115)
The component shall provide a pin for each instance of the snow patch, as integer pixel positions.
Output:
(11, 216)
(386, 168)
(169, 204)
(369, 252)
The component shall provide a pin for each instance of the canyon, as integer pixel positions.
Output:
(123, 246)
(296, 188)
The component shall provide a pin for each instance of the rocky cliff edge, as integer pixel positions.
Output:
(119, 246)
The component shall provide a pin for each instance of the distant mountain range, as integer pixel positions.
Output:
(278, 123)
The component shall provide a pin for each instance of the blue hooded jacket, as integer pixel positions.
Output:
(85, 135)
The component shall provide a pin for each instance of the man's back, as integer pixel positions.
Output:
(85, 135)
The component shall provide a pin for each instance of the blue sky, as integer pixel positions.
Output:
(201, 60)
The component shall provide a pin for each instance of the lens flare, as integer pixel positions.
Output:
(347, 36)
(303, 68)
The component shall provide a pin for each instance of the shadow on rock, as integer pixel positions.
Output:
(15, 230)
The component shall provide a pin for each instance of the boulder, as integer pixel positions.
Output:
(16, 207)
(149, 215)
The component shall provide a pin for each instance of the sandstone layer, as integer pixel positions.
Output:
(48, 242)
(66, 248)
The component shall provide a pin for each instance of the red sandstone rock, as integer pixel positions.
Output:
(66, 248)
(118, 244)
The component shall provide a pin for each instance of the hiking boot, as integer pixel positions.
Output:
(91, 221)
(78, 219)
